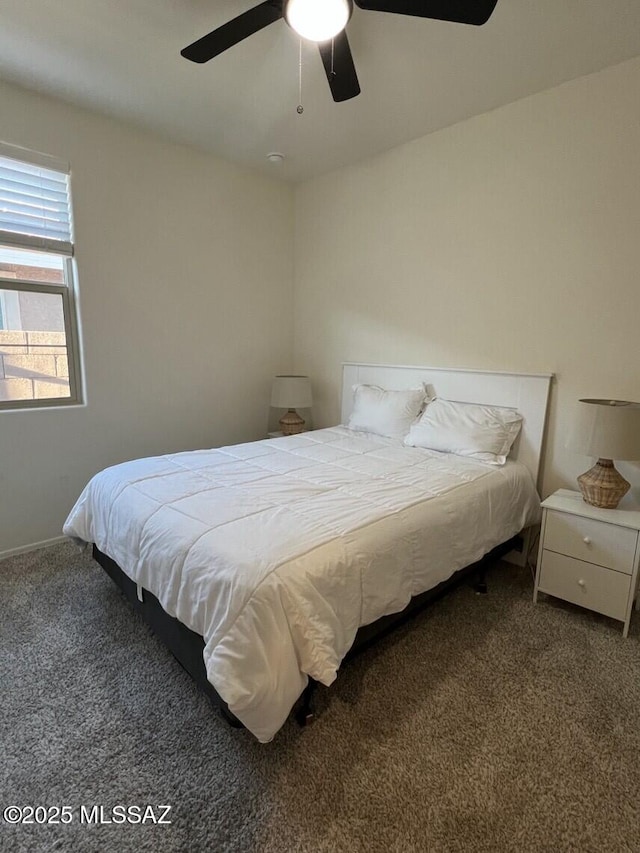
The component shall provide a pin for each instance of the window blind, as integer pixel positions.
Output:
(34, 204)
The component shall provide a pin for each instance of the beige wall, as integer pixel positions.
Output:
(510, 242)
(185, 273)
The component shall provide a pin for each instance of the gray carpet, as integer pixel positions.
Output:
(487, 724)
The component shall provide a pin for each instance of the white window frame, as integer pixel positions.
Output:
(67, 291)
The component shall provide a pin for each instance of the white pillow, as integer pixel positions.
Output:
(389, 413)
(485, 433)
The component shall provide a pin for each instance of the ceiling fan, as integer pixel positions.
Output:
(324, 22)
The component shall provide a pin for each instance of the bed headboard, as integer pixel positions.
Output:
(526, 392)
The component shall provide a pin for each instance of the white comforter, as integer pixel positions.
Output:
(277, 551)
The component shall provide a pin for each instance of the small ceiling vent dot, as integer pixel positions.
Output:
(275, 157)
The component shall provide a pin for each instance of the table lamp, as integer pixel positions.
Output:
(608, 429)
(291, 393)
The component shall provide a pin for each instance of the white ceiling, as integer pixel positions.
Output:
(122, 58)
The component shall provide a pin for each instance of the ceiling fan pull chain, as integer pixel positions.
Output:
(300, 108)
(333, 73)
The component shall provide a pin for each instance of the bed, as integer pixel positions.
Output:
(261, 564)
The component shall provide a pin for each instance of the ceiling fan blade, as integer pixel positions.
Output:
(232, 32)
(475, 12)
(339, 67)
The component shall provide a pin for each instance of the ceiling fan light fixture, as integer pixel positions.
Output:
(318, 20)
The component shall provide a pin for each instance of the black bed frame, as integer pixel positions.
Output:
(187, 646)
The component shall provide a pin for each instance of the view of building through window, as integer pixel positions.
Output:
(33, 350)
(38, 346)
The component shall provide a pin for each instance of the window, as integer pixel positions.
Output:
(39, 353)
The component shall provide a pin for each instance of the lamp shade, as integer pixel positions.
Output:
(609, 429)
(291, 392)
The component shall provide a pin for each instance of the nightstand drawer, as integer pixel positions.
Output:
(602, 590)
(598, 542)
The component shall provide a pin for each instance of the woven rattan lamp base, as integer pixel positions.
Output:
(291, 423)
(603, 485)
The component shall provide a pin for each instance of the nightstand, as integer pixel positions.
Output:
(589, 556)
